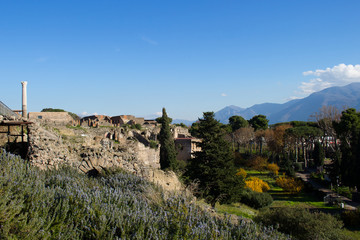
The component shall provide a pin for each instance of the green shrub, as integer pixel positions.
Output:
(344, 191)
(153, 144)
(298, 166)
(290, 184)
(64, 204)
(351, 218)
(301, 223)
(136, 126)
(256, 199)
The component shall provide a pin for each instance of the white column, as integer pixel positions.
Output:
(24, 100)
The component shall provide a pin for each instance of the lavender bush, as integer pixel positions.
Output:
(64, 204)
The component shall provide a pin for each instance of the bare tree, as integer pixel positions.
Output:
(325, 118)
(244, 136)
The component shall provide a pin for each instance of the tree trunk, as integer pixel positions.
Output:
(304, 153)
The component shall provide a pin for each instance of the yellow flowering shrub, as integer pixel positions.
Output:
(257, 185)
(274, 168)
(241, 173)
(290, 184)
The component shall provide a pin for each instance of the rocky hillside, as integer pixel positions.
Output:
(63, 204)
(93, 149)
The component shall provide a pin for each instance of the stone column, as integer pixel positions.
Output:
(24, 100)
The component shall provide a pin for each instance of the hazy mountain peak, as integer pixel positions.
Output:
(298, 109)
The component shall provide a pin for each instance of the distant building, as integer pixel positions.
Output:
(126, 119)
(51, 117)
(150, 122)
(96, 121)
(181, 132)
(186, 147)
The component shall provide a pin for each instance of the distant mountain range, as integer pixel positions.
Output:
(299, 109)
(186, 122)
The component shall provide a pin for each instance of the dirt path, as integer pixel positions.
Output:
(349, 204)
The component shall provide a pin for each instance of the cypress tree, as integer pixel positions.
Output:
(213, 166)
(167, 146)
(318, 154)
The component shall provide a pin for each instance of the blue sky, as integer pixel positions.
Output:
(135, 57)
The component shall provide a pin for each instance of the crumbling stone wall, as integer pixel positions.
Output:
(180, 132)
(89, 149)
(95, 149)
(51, 117)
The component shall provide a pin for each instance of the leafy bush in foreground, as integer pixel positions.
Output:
(64, 204)
(301, 223)
(351, 218)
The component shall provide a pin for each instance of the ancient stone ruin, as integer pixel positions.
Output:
(91, 150)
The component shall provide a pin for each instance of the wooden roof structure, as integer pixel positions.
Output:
(18, 123)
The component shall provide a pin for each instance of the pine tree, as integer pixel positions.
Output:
(167, 146)
(213, 165)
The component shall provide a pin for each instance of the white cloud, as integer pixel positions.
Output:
(314, 85)
(339, 75)
(158, 114)
(292, 98)
(84, 114)
(224, 95)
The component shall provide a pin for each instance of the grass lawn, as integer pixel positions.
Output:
(265, 176)
(284, 199)
(352, 233)
(237, 209)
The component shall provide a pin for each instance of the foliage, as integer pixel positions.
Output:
(348, 131)
(318, 154)
(241, 173)
(290, 184)
(343, 191)
(237, 122)
(304, 132)
(256, 200)
(136, 126)
(298, 167)
(288, 167)
(259, 122)
(351, 218)
(317, 176)
(274, 168)
(167, 145)
(257, 162)
(257, 185)
(154, 144)
(301, 223)
(181, 125)
(64, 204)
(213, 165)
(194, 129)
(276, 138)
(73, 115)
(53, 110)
(238, 209)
